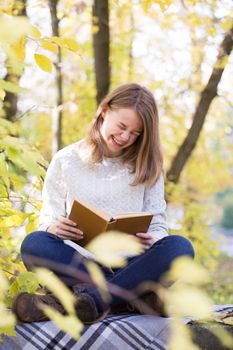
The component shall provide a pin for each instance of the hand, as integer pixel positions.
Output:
(66, 229)
(146, 239)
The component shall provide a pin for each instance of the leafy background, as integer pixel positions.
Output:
(168, 46)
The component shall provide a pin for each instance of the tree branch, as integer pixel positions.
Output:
(206, 97)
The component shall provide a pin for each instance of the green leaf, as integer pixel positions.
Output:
(14, 289)
(25, 282)
(28, 280)
(43, 62)
(9, 128)
(23, 156)
(11, 87)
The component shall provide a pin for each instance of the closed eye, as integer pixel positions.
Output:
(124, 127)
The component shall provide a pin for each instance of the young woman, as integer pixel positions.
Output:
(118, 168)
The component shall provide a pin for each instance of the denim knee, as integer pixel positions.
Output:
(183, 245)
(33, 243)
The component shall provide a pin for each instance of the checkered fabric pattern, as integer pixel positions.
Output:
(126, 332)
(118, 332)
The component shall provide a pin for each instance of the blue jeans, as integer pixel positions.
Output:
(47, 250)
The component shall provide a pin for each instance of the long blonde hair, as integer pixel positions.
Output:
(145, 155)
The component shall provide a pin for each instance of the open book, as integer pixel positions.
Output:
(93, 221)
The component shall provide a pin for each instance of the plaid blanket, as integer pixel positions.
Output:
(126, 331)
(115, 332)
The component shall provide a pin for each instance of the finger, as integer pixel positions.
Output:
(68, 228)
(68, 235)
(67, 221)
(143, 235)
(146, 242)
(144, 238)
(65, 237)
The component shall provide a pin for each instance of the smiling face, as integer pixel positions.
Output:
(120, 129)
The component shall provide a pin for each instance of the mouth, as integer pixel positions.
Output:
(118, 143)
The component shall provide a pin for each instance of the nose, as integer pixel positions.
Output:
(125, 136)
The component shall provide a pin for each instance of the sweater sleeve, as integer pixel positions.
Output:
(53, 195)
(155, 203)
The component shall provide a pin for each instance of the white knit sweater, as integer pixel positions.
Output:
(105, 185)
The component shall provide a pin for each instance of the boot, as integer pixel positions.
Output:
(27, 306)
(85, 307)
(149, 304)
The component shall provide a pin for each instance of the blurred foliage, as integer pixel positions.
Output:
(227, 220)
(219, 286)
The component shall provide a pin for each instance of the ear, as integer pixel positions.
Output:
(103, 111)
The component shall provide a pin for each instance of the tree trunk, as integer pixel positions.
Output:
(57, 112)
(206, 97)
(11, 99)
(101, 48)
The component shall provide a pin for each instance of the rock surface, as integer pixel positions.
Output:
(205, 339)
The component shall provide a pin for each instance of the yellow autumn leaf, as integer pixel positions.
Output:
(35, 33)
(190, 2)
(164, 4)
(7, 321)
(226, 24)
(72, 44)
(194, 20)
(43, 62)
(48, 45)
(4, 176)
(2, 94)
(211, 31)
(58, 288)
(13, 28)
(70, 324)
(12, 221)
(180, 337)
(59, 41)
(184, 301)
(111, 248)
(99, 279)
(186, 270)
(19, 49)
(4, 284)
(146, 4)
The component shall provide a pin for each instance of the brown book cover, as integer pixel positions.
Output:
(93, 221)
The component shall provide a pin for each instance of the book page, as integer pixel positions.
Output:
(80, 249)
(132, 215)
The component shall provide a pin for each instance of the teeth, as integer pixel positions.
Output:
(117, 141)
